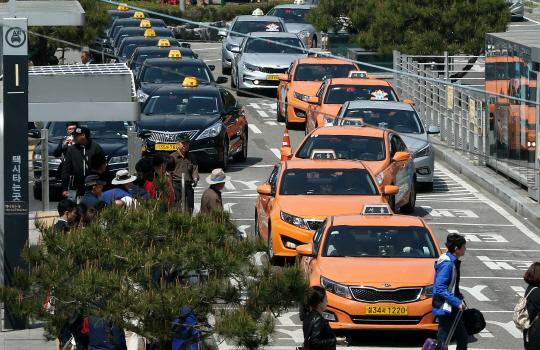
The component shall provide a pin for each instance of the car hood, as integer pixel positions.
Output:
(235, 40)
(331, 110)
(275, 60)
(374, 272)
(308, 88)
(298, 27)
(148, 88)
(176, 122)
(414, 142)
(319, 207)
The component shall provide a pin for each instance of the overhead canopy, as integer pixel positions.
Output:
(47, 13)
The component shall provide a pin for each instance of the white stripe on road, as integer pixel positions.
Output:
(276, 152)
(462, 224)
(271, 123)
(531, 20)
(229, 186)
(254, 129)
(519, 290)
(263, 114)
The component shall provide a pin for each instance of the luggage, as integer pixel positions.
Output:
(474, 321)
(433, 344)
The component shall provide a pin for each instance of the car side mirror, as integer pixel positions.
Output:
(178, 36)
(305, 250)
(222, 80)
(186, 45)
(264, 190)
(286, 152)
(283, 77)
(222, 33)
(411, 102)
(390, 190)
(401, 156)
(34, 133)
(313, 100)
(234, 49)
(144, 134)
(434, 130)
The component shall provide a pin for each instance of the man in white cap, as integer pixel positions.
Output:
(211, 198)
(122, 181)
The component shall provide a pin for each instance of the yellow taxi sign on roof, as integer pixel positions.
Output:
(376, 209)
(123, 8)
(190, 82)
(175, 55)
(323, 154)
(164, 43)
(149, 33)
(258, 12)
(138, 15)
(145, 24)
(358, 74)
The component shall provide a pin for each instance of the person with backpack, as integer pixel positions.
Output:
(531, 305)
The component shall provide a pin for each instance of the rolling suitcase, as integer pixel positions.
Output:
(433, 344)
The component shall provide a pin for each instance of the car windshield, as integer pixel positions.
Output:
(98, 130)
(379, 241)
(327, 182)
(128, 49)
(167, 74)
(339, 94)
(139, 59)
(245, 27)
(395, 119)
(184, 102)
(290, 15)
(273, 45)
(345, 146)
(321, 72)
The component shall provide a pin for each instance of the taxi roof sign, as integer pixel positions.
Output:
(123, 8)
(376, 209)
(190, 82)
(149, 33)
(163, 43)
(138, 15)
(352, 122)
(299, 2)
(358, 74)
(323, 154)
(258, 12)
(175, 55)
(145, 24)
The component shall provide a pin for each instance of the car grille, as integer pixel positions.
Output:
(387, 320)
(170, 137)
(268, 70)
(314, 225)
(372, 295)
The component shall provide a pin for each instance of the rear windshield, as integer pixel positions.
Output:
(183, 102)
(167, 75)
(290, 15)
(345, 146)
(397, 120)
(339, 94)
(321, 72)
(139, 59)
(327, 182)
(245, 27)
(379, 241)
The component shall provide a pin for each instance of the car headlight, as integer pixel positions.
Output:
(55, 161)
(380, 177)
(37, 155)
(519, 2)
(251, 67)
(336, 288)
(327, 119)
(141, 96)
(303, 34)
(294, 220)
(300, 96)
(423, 152)
(428, 291)
(118, 160)
(212, 131)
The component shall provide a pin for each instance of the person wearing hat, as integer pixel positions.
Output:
(211, 198)
(94, 189)
(184, 163)
(123, 181)
(76, 165)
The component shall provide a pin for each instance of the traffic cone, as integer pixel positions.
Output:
(286, 149)
(309, 43)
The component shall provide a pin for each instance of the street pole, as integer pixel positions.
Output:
(223, 3)
(183, 5)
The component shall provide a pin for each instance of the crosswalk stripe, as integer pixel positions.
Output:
(254, 129)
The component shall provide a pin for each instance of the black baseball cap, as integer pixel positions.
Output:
(92, 180)
(81, 130)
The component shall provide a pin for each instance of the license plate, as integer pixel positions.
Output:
(166, 147)
(272, 77)
(387, 310)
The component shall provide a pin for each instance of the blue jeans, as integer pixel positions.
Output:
(445, 323)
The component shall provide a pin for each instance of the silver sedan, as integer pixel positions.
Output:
(294, 17)
(517, 9)
(262, 57)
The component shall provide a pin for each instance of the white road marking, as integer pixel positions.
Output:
(485, 334)
(263, 114)
(476, 292)
(242, 228)
(254, 129)
(531, 20)
(497, 264)
(271, 123)
(519, 290)
(254, 105)
(209, 48)
(493, 278)
(229, 186)
(276, 152)
(228, 206)
(510, 327)
(249, 184)
(467, 224)
(252, 166)
(281, 123)
(219, 59)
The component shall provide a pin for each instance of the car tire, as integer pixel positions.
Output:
(225, 71)
(279, 116)
(242, 156)
(257, 228)
(409, 207)
(427, 186)
(272, 258)
(225, 161)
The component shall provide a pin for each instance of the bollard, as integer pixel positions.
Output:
(223, 3)
(309, 43)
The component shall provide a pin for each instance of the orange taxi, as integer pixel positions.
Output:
(300, 194)
(302, 80)
(382, 150)
(377, 269)
(333, 93)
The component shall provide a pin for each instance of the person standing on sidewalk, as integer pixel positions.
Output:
(531, 336)
(185, 163)
(447, 299)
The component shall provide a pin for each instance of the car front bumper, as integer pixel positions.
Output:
(297, 111)
(425, 167)
(517, 10)
(283, 232)
(248, 79)
(226, 58)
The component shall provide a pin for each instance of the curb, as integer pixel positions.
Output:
(490, 183)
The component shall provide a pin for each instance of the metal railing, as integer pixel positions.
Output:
(44, 169)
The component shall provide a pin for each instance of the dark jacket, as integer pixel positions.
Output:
(100, 332)
(90, 199)
(59, 225)
(321, 336)
(533, 308)
(60, 150)
(139, 192)
(76, 165)
(211, 200)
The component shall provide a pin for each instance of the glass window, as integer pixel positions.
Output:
(397, 120)
(245, 27)
(272, 45)
(185, 103)
(321, 72)
(339, 94)
(166, 75)
(379, 241)
(345, 146)
(327, 182)
(289, 15)
(98, 130)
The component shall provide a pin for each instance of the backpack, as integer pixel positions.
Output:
(521, 315)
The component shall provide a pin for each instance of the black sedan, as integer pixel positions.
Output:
(126, 48)
(210, 116)
(134, 31)
(141, 54)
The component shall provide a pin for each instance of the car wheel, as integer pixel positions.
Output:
(314, 42)
(225, 71)
(279, 116)
(223, 164)
(409, 207)
(257, 228)
(242, 156)
(274, 260)
(427, 186)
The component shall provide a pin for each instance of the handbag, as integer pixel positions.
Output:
(473, 320)
(306, 340)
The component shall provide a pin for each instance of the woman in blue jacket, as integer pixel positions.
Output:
(446, 297)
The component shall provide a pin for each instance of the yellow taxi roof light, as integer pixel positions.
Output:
(145, 24)
(149, 33)
(138, 15)
(376, 209)
(323, 154)
(358, 74)
(123, 8)
(175, 55)
(164, 43)
(190, 82)
(258, 12)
